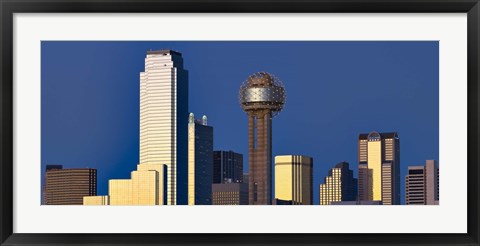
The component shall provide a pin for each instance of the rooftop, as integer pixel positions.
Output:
(383, 135)
(163, 52)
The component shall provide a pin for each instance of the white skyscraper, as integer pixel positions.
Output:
(164, 120)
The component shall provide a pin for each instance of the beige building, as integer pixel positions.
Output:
(294, 179)
(96, 200)
(146, 187)
(120, 191)
(379, 167)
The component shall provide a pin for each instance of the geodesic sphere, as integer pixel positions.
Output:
(262, 91)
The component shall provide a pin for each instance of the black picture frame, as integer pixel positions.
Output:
(9, 7)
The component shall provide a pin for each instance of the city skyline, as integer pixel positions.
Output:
(282, 135)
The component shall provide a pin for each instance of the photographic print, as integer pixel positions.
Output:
(239, 123)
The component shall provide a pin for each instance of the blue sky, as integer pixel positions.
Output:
(335, 90)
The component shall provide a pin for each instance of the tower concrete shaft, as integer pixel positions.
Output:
(260, 157)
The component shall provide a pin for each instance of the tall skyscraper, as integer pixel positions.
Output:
(162, 173)
(227, 165)
(379, 167)
(163, 120)
(69, 186)
(200, 161)
(230, 194)
(262, 95)
(421, 184)
(294, 179)
(339, 185)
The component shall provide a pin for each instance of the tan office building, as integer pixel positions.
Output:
(120, 191)
(96, 200)
(294, 179)
(69, 186)
(146, 187)
(421, 184)
(379, 167)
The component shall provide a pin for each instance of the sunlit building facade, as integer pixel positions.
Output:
(147, 186)
(120, 191)
(421, 184)
(200, 161)
(294, 179)
(339, 185)
(163, 119)
(161, 177)
(69, 186)
(379, 167)
(227, 165)
(96, 200)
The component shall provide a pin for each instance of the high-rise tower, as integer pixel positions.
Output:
(262, 95)
(379, 167)
(200, 161)
(164, 120)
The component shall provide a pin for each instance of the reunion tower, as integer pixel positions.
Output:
(262, 96)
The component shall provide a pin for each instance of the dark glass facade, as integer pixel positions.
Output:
(227, 166)
(202, 163)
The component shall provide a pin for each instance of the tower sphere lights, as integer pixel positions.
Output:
(262, 91)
